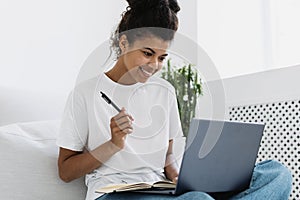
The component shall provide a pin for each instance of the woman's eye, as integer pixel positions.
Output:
(147, 53)
(162, 59)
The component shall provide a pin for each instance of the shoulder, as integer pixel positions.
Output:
(87, 86)
(83, 91)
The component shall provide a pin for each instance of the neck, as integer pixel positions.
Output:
(120, 74)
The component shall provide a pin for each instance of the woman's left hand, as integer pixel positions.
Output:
(175, 179)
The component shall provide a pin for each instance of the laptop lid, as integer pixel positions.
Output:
(219, 156)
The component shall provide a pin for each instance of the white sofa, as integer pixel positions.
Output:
(28, 167)
(28, 153)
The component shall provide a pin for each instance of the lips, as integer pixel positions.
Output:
(145, 72)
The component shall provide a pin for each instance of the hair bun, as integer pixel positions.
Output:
(174, 6)
(142, 5)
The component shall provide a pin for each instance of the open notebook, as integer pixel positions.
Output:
(137, 186)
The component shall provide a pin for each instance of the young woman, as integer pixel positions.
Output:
(135, 143)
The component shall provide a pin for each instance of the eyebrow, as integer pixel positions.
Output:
(152, 51)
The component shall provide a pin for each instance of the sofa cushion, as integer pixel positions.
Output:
(28, 167)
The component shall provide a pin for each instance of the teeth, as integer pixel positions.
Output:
(144, 71)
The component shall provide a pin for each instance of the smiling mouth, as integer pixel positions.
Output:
(146, 73)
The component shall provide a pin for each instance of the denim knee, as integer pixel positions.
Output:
(276, 168)
(272, 169)
(195, 195)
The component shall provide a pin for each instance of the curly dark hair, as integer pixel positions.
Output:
(147, 18)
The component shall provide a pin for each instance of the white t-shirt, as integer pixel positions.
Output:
(86, 125)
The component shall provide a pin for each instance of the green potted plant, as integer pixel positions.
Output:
(187, 84)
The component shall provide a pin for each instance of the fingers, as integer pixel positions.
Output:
(122, 129)
(122, 122)
(123, 113)
(175, 179)
(120, 126)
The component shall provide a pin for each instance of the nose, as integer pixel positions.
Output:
(154, 64)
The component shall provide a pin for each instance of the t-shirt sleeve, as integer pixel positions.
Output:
(73, 130)
(175, 124)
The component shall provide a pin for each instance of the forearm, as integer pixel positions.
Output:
(81, 164)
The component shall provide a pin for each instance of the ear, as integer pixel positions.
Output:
(123, 43)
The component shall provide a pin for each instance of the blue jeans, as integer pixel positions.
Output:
(270, 180)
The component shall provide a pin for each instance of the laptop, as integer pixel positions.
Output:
(219, 157)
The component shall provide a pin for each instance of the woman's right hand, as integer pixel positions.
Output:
(120, 126)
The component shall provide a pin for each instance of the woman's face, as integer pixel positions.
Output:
(145, 57)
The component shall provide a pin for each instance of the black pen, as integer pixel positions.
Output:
(109, 101)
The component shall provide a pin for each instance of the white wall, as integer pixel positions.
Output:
(45, 43)
(285, 32)
(231, 32)
(254, 45)
(188, 20)
(244, 37)
(262, 87)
